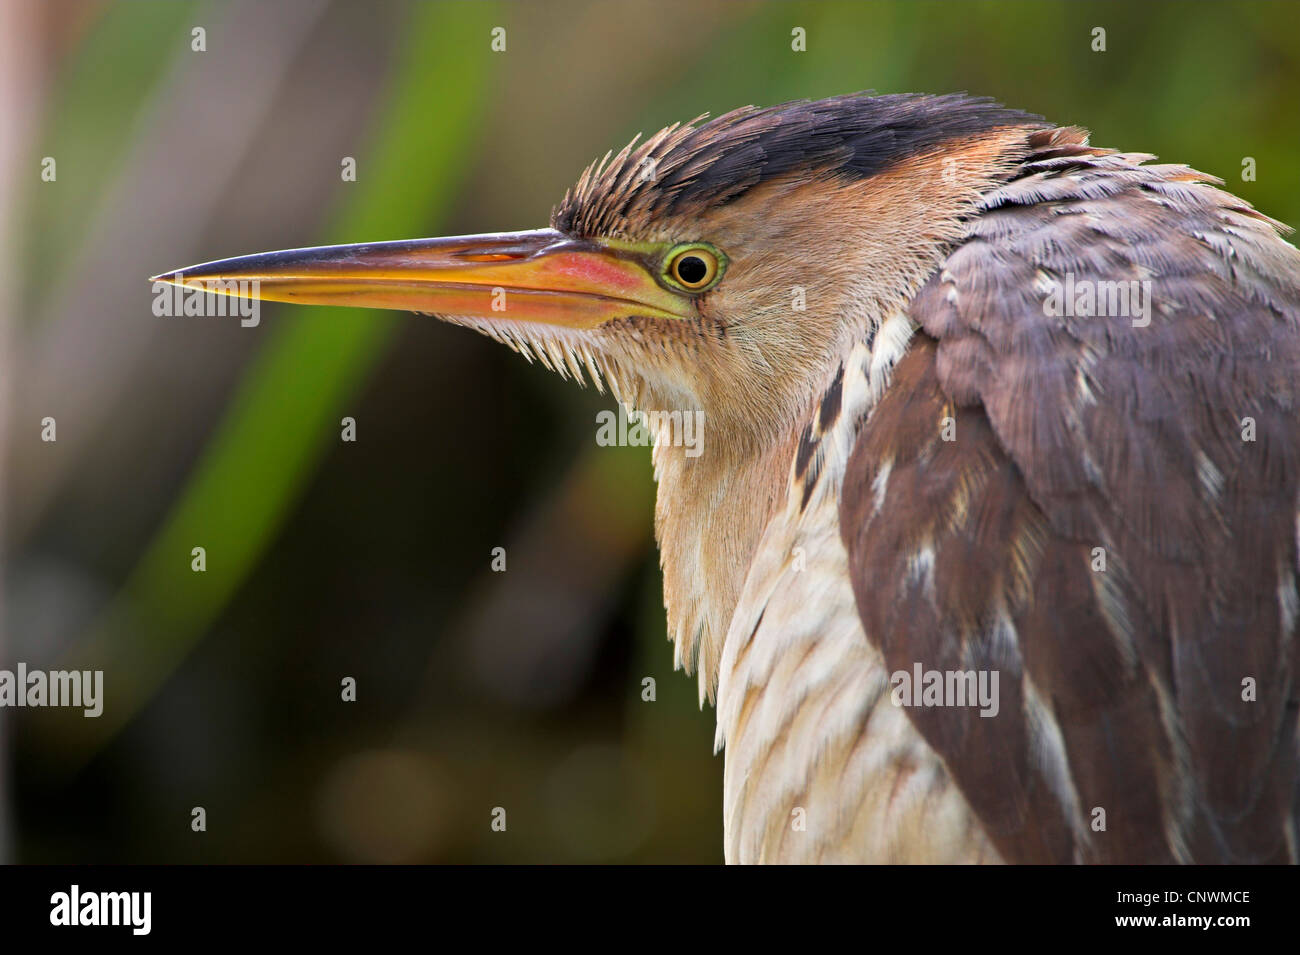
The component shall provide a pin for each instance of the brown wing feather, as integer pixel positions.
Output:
(1121, 689)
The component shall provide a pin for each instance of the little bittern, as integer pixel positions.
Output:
(991, 550)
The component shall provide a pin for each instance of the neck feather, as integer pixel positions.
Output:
(712, 508)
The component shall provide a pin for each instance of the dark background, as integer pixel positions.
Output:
(370, 560)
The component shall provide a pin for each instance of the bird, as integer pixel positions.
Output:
(989, 550)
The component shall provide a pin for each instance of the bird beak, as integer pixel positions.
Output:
(543, 276)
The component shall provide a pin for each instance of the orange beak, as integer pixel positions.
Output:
(541, 276)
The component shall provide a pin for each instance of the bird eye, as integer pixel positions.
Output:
(694, 267)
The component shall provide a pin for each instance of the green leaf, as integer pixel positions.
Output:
(286, 410)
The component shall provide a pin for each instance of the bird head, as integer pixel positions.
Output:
(715, 267)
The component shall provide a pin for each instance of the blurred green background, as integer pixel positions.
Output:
(371, 560)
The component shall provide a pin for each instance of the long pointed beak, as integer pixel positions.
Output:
(541, 276)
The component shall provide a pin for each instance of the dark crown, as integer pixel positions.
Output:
(705, 164)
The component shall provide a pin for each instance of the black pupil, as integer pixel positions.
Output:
(692, 269)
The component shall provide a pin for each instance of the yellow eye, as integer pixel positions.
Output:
(694, 268)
